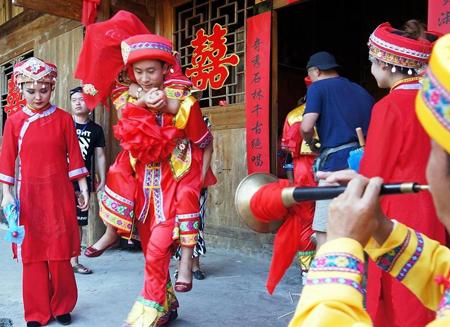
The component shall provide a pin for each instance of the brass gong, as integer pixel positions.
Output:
(244, 193)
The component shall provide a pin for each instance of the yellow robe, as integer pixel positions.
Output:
(333, 294)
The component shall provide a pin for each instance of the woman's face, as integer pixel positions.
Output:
(150, 73)
(37, 95)
(381, 73)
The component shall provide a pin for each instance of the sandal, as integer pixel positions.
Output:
(183, 287)
(92, 252)
(198, 274)
(80, 269)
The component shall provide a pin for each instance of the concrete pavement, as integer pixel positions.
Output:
(233, 294)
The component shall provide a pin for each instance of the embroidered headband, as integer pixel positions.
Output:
(34, 70)
(147, 47)
(387, 45)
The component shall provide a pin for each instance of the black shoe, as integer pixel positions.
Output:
(33, 324)
(199, 275)
(173, 315)
(64, 319)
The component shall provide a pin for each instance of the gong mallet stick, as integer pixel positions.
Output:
(292, 195)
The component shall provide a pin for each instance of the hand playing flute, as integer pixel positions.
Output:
(356, 213)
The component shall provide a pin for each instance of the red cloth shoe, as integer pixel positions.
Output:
(92, 252)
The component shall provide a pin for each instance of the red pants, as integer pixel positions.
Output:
(188, 213)
(156, 244)
(187, 200)
(49, 290)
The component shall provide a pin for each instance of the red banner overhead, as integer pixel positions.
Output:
(439, 16)
(257, 92)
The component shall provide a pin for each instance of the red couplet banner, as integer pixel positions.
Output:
(439, 16)
(257, 92)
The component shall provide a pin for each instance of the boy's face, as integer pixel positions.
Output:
(150, 73)
(78, 104)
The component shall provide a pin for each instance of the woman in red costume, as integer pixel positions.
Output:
(397, 150)
(301, 169)
(43, 137)
(155, 181)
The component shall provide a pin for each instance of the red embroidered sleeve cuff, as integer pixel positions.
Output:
(78, 173)
(10, 180)
(205, 140)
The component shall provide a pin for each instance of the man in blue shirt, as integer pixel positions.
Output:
(336, 107)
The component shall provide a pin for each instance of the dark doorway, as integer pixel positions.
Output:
(341, 27)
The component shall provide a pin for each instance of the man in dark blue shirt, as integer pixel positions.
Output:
(336, 107)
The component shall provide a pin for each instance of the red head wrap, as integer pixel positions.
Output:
(388, 45)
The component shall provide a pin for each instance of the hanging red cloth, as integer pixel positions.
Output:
(267, 205)
(89, 11)
(100, 60)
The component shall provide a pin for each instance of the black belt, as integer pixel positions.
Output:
(322, 158)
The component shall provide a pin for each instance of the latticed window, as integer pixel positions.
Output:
(232, 14)
(6, 71)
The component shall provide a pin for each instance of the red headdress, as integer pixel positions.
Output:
(147, 47)
(387, 44)
(34, 70)
(100, 60)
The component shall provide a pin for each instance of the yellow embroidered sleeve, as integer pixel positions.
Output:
(440, 321)
(120, 101)
(415, 261)
(333, 295)
(182, 117)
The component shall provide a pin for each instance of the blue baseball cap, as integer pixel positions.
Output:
(322, 60)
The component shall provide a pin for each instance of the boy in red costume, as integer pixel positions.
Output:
(143, 186)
